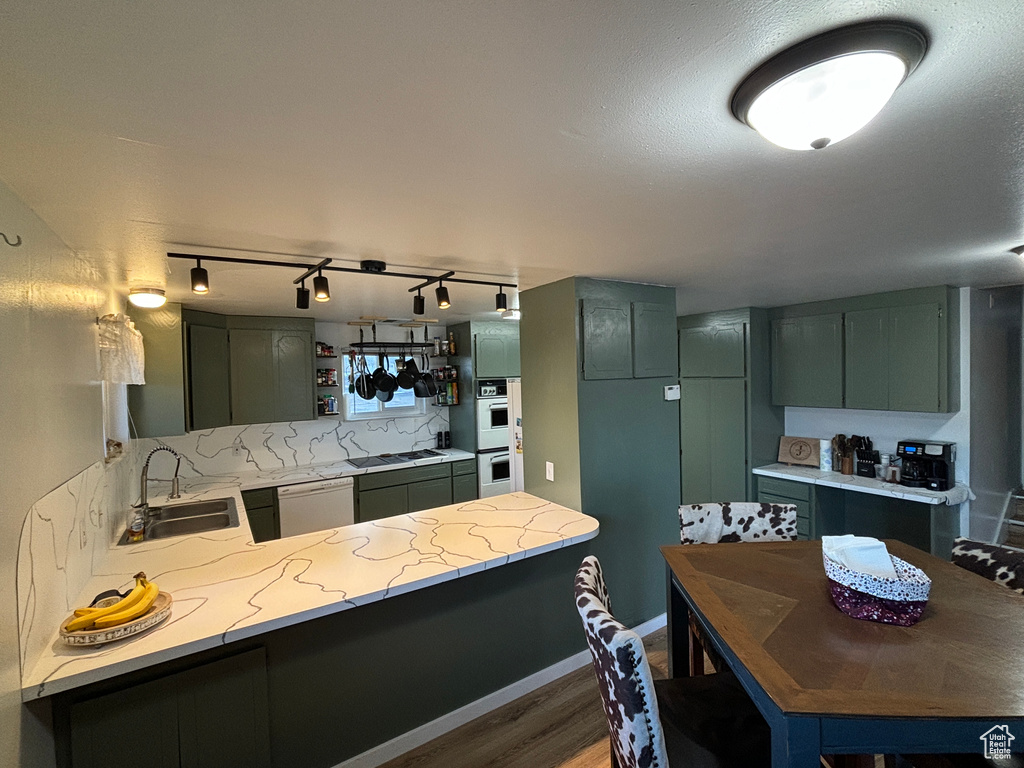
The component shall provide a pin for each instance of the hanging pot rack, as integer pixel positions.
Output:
(384, 346)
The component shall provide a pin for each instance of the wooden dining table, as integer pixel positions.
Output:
(830, 684)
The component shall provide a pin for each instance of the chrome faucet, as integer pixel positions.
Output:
(143, 496)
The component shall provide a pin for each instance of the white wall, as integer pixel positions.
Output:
(886, 428)
(52, 418)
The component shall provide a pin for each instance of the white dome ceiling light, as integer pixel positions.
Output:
(148, 298)
(830, 86)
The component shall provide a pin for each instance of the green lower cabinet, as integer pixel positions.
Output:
(464, 488)
(212, 716)
(377, 503)
(773, 491)
(429, 494)
(264, 522)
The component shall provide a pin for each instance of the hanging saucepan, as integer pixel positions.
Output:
(364, 383)
(419, 386)
(385, 381)
(428, 379)
(385, 397)
(407, 374)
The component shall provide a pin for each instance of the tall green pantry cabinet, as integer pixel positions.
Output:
(728, 424)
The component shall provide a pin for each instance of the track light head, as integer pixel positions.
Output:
(302, 296)
(500, 300)
(321, 290)
(418, 304)
(442, 296)
(200, 279)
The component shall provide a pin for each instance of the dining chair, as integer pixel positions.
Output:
(690, 722)
(724, 522)
(999, 564)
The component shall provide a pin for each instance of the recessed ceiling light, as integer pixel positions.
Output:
(148, 298)
(826, 88)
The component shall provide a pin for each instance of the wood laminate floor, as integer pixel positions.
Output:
(561, 725)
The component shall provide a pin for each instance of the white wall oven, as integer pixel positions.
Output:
(494, 473)
(492, 415)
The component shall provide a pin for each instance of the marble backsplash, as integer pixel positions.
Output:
(231, 450)
(65, 539)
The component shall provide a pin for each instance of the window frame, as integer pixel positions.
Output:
(383, 410)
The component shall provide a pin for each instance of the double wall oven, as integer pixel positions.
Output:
(492, 438)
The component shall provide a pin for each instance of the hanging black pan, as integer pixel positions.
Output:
(419, 386)
(364, 384)
(386, 381)
(407, 374)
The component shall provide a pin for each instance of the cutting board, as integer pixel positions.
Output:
(799, 450)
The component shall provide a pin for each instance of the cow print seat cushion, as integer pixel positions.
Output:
(736, 521)
(999, 564)
(710, 721)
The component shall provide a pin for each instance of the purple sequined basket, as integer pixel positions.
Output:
(898, 601)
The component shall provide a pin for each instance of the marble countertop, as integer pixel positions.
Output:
(814, 476)
(226, 587)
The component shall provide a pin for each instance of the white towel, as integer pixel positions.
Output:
(860, 553)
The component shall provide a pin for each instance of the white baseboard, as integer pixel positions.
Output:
(417, 737)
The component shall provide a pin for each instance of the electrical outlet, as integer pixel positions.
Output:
(237, 449)
(549, 470)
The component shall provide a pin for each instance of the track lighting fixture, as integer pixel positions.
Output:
(418, 304)
(200, 279)
(321, 290)
(302, 296)
(442, 296)
(149, 298)
(500, 300)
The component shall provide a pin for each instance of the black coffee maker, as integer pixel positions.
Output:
(927, 464)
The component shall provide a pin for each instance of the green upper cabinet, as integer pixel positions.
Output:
(712, 350)
(607, 339)
(252, 375)
(294, 395)
(654, 340)
(209, 377)
(495, 356)
(807, 361)
(867, 358)
(916, 360)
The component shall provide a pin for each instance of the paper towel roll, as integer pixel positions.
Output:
(825, 455)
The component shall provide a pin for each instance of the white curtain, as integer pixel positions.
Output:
(122, 358)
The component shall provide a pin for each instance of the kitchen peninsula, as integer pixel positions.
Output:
(337, 681)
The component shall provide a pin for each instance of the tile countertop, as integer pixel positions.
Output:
(814, 476)
(226, 587)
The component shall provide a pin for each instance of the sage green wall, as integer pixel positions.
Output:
(157, 408)
(629, 467)
(548, 336)
(53, 420)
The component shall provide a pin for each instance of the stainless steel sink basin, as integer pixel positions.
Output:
(190, 517)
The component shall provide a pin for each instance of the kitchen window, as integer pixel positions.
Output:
(404, 403)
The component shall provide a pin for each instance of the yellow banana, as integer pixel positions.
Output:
(86, 620)
(132, 612)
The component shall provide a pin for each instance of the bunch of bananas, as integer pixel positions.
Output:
(129, 607)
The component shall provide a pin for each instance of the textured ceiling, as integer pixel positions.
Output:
(532, 140)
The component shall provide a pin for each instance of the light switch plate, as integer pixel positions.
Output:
(672, 392)
(549, 470)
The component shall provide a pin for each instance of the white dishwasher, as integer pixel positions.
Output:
(309, 507)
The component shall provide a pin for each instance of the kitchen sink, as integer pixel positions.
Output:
(191, 517)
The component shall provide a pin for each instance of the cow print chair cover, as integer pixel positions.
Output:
(999, 564)
(736, 521)
(710, 721)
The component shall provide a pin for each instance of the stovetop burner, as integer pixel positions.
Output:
(385, 459)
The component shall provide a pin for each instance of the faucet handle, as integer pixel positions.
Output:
(175, 494)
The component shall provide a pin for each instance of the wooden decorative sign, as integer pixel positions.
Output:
(799, 450)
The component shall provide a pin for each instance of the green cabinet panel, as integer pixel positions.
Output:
(252, 376)
(133, 728)
(294, 395)
(382, 502)
(775, 491)
(464, 488)
(914, 358)
(223, 715)
(490, 357)
(264, 522)
(402, 476)
(654, 340)
(212, 716)
(429, 494)
(512, 363)
(466, 467)
(712, 350)
(209, 377)
(867, 359)
(807, 361)
(158, 407)
(607, 339)
(713, 458)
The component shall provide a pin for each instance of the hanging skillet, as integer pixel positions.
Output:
(419, 386)
(386, 382)
(364, 384)
(407, 374)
